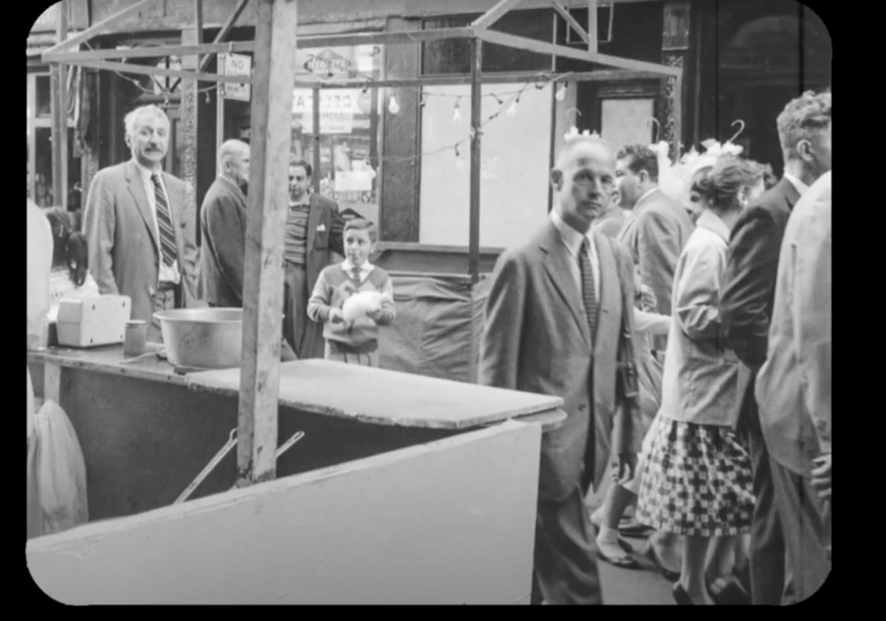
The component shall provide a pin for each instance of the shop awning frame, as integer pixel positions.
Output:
(275, 20)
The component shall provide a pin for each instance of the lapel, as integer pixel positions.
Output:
(134, 180)
(314, 215)
(556, 263)
(790, 193)
(610, 285)
(175, 206)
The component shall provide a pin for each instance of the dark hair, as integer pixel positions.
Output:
(302, 164)
(361, 224)
(722, 185)
(769, 178)
(69, 248)
(641, 158)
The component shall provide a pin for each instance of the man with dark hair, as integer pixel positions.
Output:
(314, 230)
(656, 229)
(746, 306)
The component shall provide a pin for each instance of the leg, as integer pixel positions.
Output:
(308, 334)
(767, 551)
(617, 500)
(692, 578)
(162, 300)
(665, 547)
(801, 512)
(289, 314)
(565, 564)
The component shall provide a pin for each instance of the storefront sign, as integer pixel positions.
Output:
(327, 65)
(333, 101)
(239, 65)
(330, 123)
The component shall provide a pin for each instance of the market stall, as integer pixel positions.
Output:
(403, 489)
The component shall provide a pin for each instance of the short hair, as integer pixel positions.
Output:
(769, 178)
(228, 149)
(361, 224)
(132, 117)
(303, 164)
(577, 141)
(803, 119)
(721, 186)
(641, 158)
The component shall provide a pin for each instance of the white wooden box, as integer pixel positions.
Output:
(93, 321)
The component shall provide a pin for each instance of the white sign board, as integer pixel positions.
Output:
(236, 65)
(332, 101)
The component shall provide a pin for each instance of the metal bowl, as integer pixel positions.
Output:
(205, 338)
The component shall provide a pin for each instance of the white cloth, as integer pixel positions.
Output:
(651, 323)
(572, 239)
(39, 265)
(167, 273)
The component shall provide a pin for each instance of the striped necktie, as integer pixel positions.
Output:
(588, 295)
(355, 275)
(164, 223)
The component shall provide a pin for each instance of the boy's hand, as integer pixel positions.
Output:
(374, 315)
(336, 316)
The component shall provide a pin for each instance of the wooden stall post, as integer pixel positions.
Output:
(276, 22)
(59, 108)
(315, 123)
(476, 110)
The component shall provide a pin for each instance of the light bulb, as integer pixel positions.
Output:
(512, 111)
(459, 164)
(393, 107)
(561, 93)
(457, 115)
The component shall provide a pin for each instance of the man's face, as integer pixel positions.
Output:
(630, 184)
(358, 246)
(238, 166)
(149, 140)
(299, 182)
(584, 184)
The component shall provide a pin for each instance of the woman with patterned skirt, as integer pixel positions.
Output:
(697, 481)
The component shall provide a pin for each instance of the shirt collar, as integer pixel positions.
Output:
(305, 200)
(570, 236)
(801, 187)
(645, 196)
(348, 267)
(144, 172)
(712, 222)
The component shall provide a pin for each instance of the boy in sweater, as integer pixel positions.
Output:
(353, 342)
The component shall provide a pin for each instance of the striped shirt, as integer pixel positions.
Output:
(296, 236)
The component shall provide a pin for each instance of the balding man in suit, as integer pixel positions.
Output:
(137, 223)
(557, 323)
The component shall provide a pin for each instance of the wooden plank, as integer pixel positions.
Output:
(385, 397)
(187, 75)
(59, 112)
(451, 522)
(495, 13)
(100, 28)
(540, 47)
(476, 134)
(52, 382)
(268, 194)
(415, 247)
(571, 22)
(198, 20)
(109, 360)
(678, 115)
(315, 123)
(592, 26)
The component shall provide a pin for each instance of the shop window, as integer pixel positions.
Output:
(453, 56)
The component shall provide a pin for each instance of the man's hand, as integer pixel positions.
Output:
(627, 466)
(821, 476)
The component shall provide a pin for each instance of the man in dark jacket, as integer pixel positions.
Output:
(746, 303)
(223, 222)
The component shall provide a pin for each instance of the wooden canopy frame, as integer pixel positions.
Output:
(274, 49)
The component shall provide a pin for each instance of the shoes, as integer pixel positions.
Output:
(624, 562)
(634, 529)
(681, 596)
(649, 552)
(728, 591)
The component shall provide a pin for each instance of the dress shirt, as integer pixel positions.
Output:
(801, 187)
(348, 267)
(168, 273)
(572, 239)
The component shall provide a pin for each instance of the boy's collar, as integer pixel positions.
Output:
(348, 266)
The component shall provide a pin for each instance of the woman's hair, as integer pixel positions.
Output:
(69, 249)
(722, 185)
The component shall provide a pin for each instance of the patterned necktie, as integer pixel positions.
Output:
(355, 275)
(164, 223)
(588, 295)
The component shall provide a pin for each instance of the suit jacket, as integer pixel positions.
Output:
(656, 233)
(124, 255)
(536, 340)
(748, 291)
(325, 226)
(611, 223)
(794, 384)
(223, 222)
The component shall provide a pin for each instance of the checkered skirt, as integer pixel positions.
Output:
(697, 481)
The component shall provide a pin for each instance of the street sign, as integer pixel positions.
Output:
(239, 65)
(327, 65)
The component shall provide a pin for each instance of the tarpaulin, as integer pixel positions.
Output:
(438, 327)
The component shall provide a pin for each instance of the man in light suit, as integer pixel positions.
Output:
(794, 387)
(656, 229)
(746, 307)
(554, 326)
(137, 223)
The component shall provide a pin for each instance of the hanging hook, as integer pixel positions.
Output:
(571, 109)
(649, 122)
(740, 129)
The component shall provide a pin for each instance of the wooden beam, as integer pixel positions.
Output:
(678, 116)
(59, 112)
(315, 124)
(592, 26)
(272, 95)
(142, 70)
(100, 28)
(571, 22)
(495, 13)
(476, 161)
(540, 47)
(198, 19)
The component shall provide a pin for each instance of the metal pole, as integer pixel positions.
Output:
(59, 109)
(219, 113)
(476, 111)
(315, 116)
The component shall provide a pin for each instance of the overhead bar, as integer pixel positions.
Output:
(571, 21)
(99, 28)
(495, 13)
